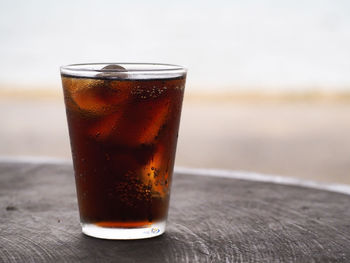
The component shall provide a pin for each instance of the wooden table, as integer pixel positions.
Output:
(211, 219)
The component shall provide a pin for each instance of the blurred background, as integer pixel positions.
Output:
(268, 87)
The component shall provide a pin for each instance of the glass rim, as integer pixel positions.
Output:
(129, 71)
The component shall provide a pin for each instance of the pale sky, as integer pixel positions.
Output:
(224, 44)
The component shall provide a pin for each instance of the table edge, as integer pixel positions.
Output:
(211, 172)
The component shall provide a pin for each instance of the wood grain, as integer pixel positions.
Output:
(210, 220)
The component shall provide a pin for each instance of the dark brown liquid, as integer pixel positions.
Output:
(123, 137)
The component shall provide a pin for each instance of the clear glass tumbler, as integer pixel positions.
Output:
(123, 121)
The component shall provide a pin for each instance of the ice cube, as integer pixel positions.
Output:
(153, 125)
(99, 97)
(142, 122)
(114, 67)
(103, 128)
(113, 71)
(156, 174)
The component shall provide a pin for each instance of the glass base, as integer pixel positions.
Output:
(153, 230)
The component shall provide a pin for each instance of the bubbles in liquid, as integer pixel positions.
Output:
(148, 93)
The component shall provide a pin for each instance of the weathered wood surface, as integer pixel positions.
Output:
(210, 220)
